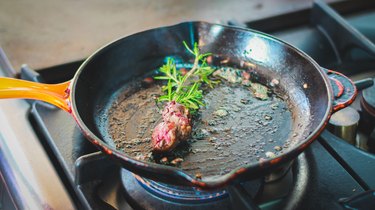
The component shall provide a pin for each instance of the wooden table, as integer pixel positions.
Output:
(44, 33)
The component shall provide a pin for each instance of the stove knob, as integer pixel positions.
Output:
(344, 124)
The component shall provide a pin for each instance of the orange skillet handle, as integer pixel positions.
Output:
(56, 94)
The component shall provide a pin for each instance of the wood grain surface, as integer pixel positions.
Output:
(43, 33)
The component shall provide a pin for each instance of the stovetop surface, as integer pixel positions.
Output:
(331, 168)
(330, 176)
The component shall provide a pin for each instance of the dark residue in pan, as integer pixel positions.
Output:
(232, 130)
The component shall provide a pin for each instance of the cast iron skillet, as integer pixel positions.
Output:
(314, 91)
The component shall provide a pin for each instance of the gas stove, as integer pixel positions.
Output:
(46, 162)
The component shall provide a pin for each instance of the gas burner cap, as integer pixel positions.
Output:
(179, 193)
(368, 100)
(345, 117)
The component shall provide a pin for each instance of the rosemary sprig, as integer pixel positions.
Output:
(185, 89)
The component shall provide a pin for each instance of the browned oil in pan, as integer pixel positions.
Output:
(233, 129)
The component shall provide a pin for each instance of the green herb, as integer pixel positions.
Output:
(185, 89)
(260, 91)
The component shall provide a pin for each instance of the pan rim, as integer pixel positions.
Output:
(221, 180)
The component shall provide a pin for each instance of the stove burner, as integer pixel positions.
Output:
(180, 193)
(146, 194)
(142, 193)
(155, 195)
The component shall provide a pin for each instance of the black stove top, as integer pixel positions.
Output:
(330, 174)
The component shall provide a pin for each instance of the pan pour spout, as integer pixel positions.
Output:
(175, 128)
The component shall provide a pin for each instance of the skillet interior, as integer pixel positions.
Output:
(120, 62)
(248, 130)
